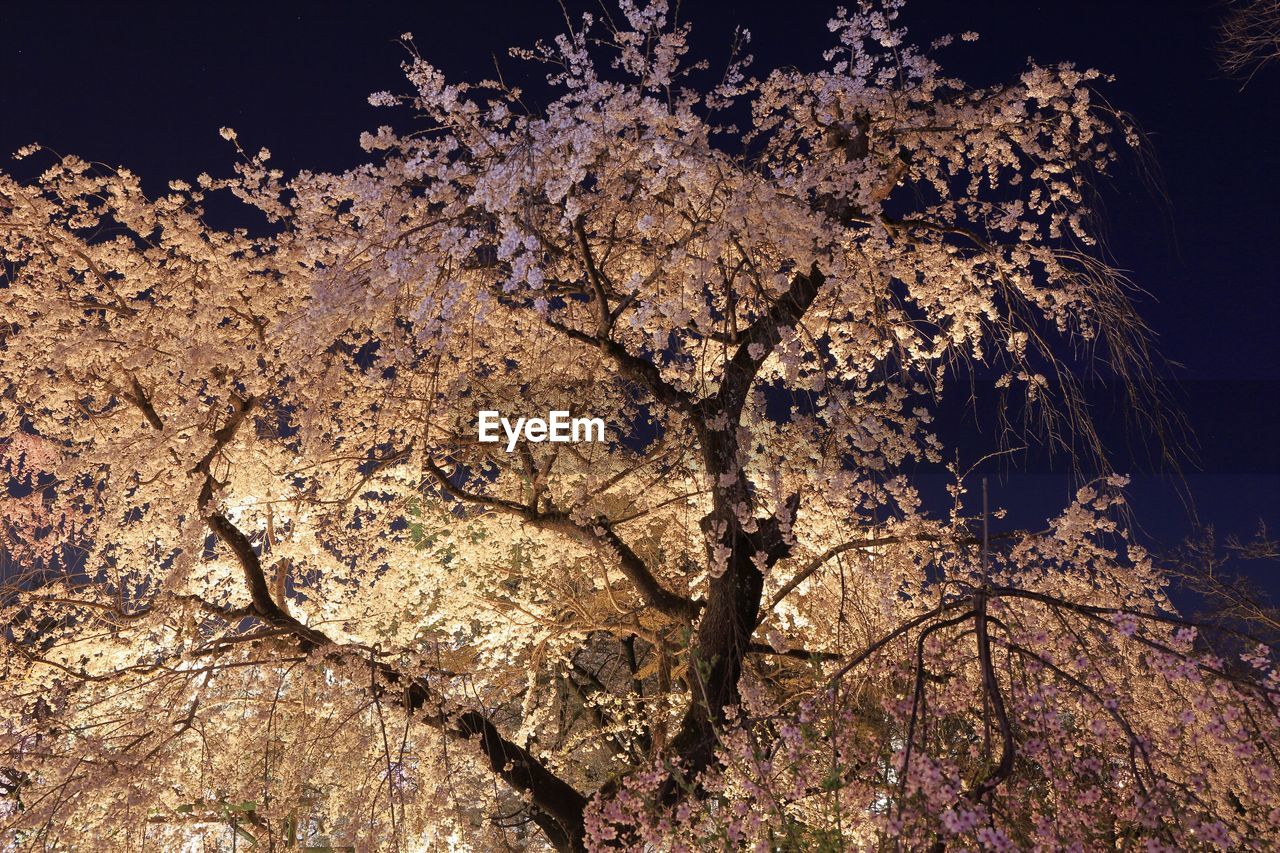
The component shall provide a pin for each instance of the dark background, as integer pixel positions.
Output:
(147, 87)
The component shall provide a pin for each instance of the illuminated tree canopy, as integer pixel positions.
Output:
(277, 593)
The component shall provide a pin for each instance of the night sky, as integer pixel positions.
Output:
(147, 87)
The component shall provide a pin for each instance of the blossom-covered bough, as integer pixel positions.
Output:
(280, 595)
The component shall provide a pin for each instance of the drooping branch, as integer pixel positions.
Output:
(886, 639)
(1249, 37)
(1100, 614)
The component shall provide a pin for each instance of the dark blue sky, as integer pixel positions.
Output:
(147, 86)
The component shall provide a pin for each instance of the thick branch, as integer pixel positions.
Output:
(240, 408)
(760, 338)
(598, 531)
(557, 805)
(633, 367)
(798, 654)
(991, 688)
(138, 396)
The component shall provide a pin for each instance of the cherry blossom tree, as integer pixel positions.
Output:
(286, 597)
